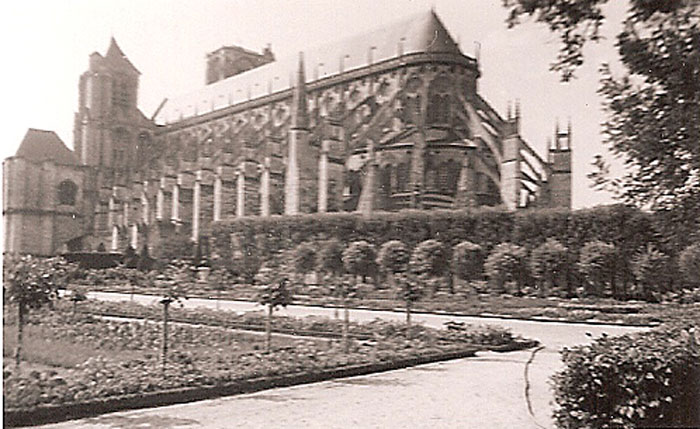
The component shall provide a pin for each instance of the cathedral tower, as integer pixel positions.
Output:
(559, 158)
(106, 124)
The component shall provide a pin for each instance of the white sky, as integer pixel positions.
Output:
(46, 45)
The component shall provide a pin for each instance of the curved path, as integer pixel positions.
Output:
(484, 391)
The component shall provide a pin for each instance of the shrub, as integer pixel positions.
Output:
(393, 257)
(429, 259)
(468, 261)
(304, 258)
(359, 258)
(689, 262)
(597, 264)
(506, 263)
(650, 379)
(548, 262)
(329, 258)
(650, 268)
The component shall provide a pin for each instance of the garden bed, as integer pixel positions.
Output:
(124, 370)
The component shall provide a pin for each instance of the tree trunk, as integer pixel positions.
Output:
(164, 352)
(268, 329)
(20, 333)
(408, 319)
(346, 326)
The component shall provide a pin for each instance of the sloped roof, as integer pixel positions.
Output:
(421, 33)
(43, 145)
(116, 56)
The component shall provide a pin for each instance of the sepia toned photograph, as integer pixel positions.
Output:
(351, 214)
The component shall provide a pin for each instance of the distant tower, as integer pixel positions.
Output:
(229, 61)
(106, 125)
(559, 158)
(511, 184)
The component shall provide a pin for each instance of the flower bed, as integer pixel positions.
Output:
(207, 358)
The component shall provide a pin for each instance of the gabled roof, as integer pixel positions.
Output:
(420, 33)
(42, 145)
(116, 56)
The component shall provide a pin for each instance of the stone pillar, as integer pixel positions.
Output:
(369, 189)
(466, 187)
(510, 172)
(145, 205)
(323, 178)
(240, 193)
(160, 201)
(291, 179)
(135, 236)
(217, 198)
(176, 202)
(195, 205)
(115, 238)
(265, 188)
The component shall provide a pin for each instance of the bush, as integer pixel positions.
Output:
(597, 264)
(641, 380)
(506, 263)
(468, 261)
(651, 270)
(429, 259)
(359, 258)
(329, 258)
(548, 262)
(304, 258)
(393, 257)
(689, 262)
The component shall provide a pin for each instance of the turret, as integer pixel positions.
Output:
(559, 159)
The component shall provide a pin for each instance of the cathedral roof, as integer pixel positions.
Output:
(421, 33)
(42, 145)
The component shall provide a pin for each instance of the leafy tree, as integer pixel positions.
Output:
(506, 262)
(329, 259)
(31, 283)
(468, 261)
(689, 262)
(597, 264)
(651, 270)
(393, 258)
(411, 290)
(429, 262)
(344, 288)
(359, 258)
(547, 262)
(273, 292)
(175, 278)
(654, 108)
(304, 259)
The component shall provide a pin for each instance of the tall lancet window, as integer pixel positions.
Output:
(439, 101)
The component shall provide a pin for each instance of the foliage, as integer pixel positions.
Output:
(329, 258)
(393, 256)
(548, 261)
(506, 262)
(468, 261)
(689, 262)
(31, 282)
(649, 379)
(359, 258)
(429, 259)
(273, 290)
(177, 245)
(597, 264)
(650, 268)
(304, 258)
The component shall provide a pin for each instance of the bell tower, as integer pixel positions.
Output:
(105, 128)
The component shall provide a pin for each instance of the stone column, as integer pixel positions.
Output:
(135, 236)
(240, 193)
(217, 198)
(145, 205)
(115, 238)
(195, 205)
(176, 202)
(265, 188)
(160, 200)
(323, 178)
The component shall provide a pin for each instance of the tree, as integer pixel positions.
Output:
(175, 277)
(547, 262)
(654, 108)
(393, 258)
(651, 270)
(359, 258)
(411, 290)
(329, 262)
(467, 261)
(344, 288)
(273, 292)
(506, 262)
(597, 264)
(304, 259)
(429, 262)
(31, 283)
(689, 262)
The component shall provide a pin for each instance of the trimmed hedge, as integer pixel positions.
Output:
(649, 379)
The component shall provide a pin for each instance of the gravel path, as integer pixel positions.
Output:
(487, 391)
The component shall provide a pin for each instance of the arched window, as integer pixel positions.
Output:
(67, 191)
(439, 101)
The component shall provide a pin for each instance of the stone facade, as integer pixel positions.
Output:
(384, 121)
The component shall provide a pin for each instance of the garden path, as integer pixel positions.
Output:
(485, 391)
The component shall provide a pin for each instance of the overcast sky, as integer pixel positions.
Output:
(46, 44)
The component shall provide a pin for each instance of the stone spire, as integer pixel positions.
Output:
(300, 116)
